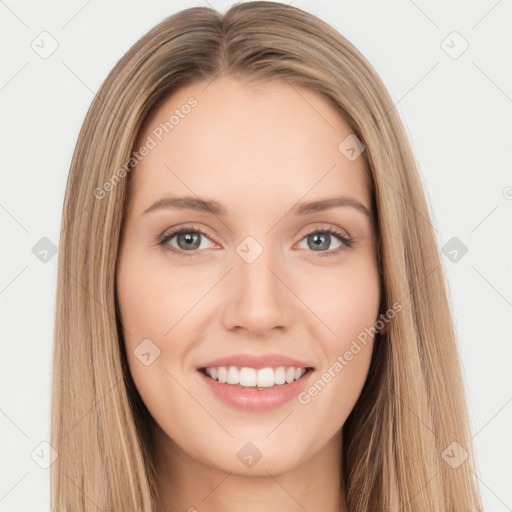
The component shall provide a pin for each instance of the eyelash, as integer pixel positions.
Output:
(163, 240)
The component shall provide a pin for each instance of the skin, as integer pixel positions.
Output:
(257, 150)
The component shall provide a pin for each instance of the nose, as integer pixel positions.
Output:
(258, 297)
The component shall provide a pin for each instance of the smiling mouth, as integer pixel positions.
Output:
(252, 378)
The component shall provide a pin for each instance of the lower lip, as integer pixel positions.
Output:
(251, 399)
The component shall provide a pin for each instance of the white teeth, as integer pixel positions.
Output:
(247, 377)
(265, 378)
(280, 376)
(251, 377)
(233, 375)
(222, 374)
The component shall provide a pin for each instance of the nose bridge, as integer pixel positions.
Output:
(257, 299)
(256, 276)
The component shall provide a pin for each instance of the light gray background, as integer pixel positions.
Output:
(457, 112)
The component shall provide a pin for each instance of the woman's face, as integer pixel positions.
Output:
(255, 275)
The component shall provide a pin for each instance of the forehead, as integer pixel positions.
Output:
(234, 140)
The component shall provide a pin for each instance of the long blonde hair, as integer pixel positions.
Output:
(412, 407)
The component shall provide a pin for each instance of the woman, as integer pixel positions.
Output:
(251, 308)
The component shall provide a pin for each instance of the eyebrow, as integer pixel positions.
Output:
(208, 206)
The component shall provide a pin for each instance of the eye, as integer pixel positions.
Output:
(320, 239)
(188, 239)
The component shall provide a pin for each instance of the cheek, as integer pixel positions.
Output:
(153, 303)
(345, 300)
(153, 299)
(160, 309)
(347, 304)
(147, 308)
(332, 394)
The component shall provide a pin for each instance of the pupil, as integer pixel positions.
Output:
(318, 242)
(189, 239)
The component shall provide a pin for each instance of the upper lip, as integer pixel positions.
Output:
(256, 361)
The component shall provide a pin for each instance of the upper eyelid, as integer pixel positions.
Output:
(340, 233)
(172, 232)
(324, 228)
